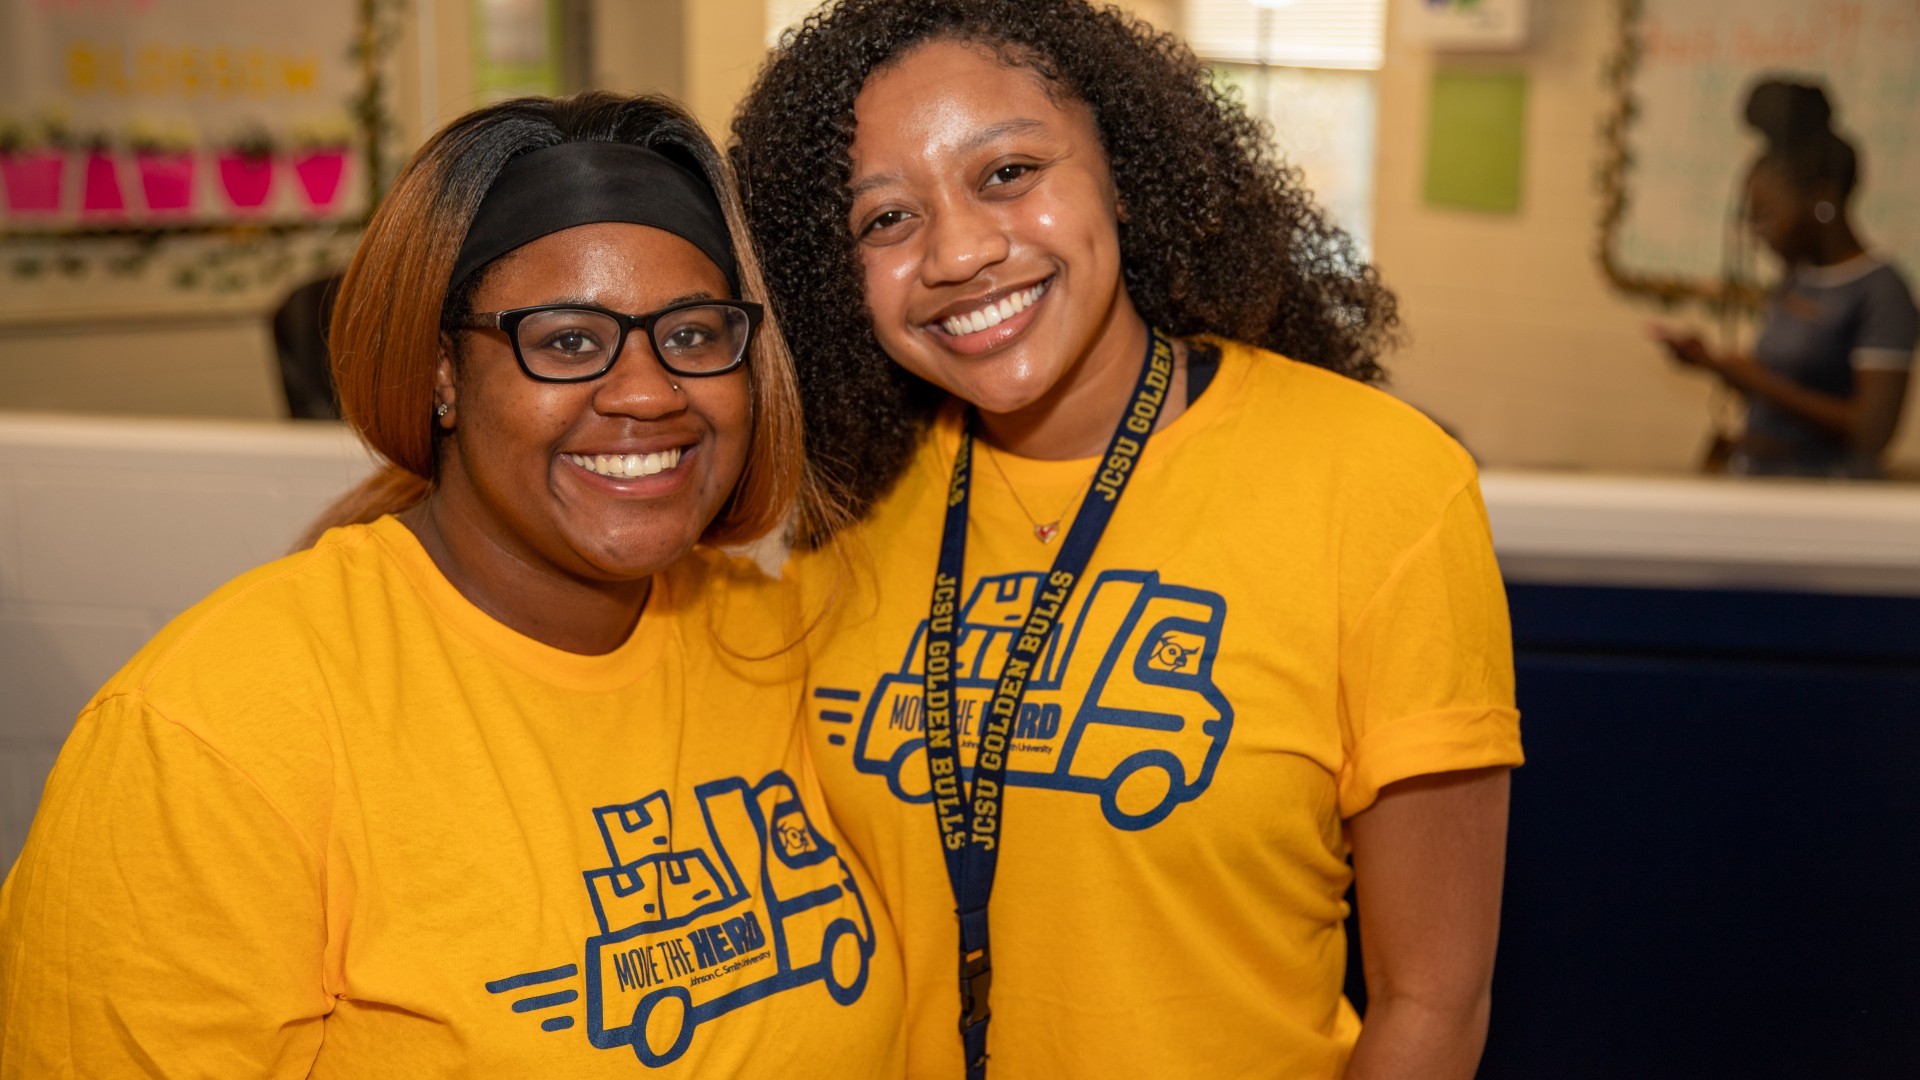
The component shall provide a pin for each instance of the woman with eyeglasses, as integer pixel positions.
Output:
(1158, 611)
(499, 777)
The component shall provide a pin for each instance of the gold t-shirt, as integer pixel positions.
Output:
(336, 821)
(1295, 604)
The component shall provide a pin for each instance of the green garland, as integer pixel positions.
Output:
(1723, 299)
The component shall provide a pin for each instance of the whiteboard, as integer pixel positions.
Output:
(1678, 147)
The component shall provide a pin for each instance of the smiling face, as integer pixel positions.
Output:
(601, 481)
(988, 232)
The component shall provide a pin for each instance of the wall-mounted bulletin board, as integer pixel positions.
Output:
(1676, 149)
(217, 144)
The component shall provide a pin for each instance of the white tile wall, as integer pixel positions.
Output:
(111, 527)
(10, 574)
(52, 657)
(23, 772)
(150, 538)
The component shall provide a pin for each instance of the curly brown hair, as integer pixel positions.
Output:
(1220, 237)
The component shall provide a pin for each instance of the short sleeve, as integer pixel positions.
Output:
(1889, 325)
(164, 919)
(1426, 670)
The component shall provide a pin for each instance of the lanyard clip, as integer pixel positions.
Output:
(976, 981)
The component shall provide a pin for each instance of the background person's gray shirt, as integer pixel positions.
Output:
(1825, 323)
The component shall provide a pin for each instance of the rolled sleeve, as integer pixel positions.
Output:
(1426, 678)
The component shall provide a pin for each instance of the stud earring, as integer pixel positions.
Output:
(1823, 212)
(441, 410)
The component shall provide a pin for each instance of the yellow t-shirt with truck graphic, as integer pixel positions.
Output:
(1296, 603)
(335, 821)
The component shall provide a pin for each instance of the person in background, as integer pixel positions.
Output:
(484, 782)
(1155, 611)
(299, 340)
(1828, 374)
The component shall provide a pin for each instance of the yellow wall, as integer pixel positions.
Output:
(1517, 343)
(704, 52)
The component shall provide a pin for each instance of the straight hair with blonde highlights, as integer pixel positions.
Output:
(390, 321)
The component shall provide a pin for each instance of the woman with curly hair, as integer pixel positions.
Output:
(1208, 613)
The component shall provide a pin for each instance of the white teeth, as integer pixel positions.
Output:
(627, 466)
(993, 314)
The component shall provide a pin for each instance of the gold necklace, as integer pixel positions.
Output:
(1043, 532)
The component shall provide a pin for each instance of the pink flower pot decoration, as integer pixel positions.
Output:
(167, 181)
(33, 181)
(100, 191)
(319, 175)
(247, 178)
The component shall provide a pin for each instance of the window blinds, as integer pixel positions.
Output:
(1303, 33)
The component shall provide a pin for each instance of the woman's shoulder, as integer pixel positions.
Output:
(1870, 278)
(737, 598)
(1326, 420)
(251, 672)
(1884, 321)
(260, 622)
(1887, 283)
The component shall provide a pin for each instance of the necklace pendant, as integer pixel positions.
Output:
(1046, 533)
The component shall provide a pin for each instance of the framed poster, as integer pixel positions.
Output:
(130, 126)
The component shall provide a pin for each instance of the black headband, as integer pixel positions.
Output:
(585, 183)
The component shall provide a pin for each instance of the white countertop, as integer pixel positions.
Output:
(1705, 532)
(1549, 527)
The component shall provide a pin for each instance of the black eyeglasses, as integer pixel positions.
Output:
(577, 342)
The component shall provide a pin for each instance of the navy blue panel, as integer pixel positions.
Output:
(1783, 626)
(1714, 867)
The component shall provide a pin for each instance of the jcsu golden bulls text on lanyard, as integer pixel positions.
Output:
(970, 814)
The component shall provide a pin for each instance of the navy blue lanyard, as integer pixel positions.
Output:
(970, 815)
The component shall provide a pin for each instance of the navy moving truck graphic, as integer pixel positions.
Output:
(688, 935)
(1123, 704)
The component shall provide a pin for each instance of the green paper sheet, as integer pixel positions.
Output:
(1476, 139)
